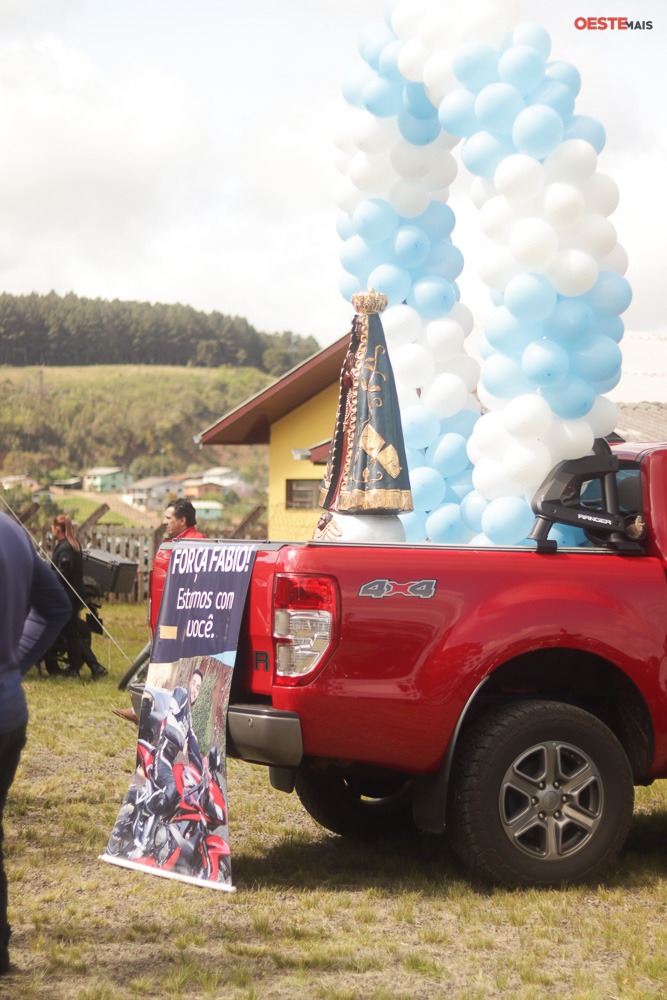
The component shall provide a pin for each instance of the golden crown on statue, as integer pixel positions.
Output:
(369, 302)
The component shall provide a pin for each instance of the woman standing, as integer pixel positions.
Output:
(68, 562)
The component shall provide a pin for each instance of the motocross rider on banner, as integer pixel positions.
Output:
(176, 736)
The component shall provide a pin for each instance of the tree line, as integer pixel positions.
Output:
(69, 330)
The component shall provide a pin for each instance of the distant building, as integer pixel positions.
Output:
(106, 479)
(208, 510)
(153, 492)
(217, 481)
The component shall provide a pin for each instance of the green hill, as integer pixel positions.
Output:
(59, 421)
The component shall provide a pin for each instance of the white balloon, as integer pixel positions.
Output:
(406, 15)
(482, 190)
(412, 59)
(439, 77)
(369, 527)
(573, 272)
(491, 436)
(483, 22)
(490, 479)
(436, 27)
(341, 161)
(442, 173)
(412, 364)
(601, 194)
(474, 452)
(534, 243)
(465, 367)
(528, 462)
(347, 196)
(527, 416)
(602, 417)
(563, 204)
(616, 261)
(519, 177)
(342, 129)
(409, 198)
(401, 325)
(568, 439)
(371, 173)
(496, 266)
(463, 316)
(444, 338)
(372, 134)
(490, 402)
(497, 217)
(411, 161)
(594, 234)
(446, 395)
(573, 160)
(407, 396)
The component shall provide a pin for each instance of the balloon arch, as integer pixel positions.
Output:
(435, 74)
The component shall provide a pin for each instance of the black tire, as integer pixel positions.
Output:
(363, 807)
(138, 670)
(541, 794)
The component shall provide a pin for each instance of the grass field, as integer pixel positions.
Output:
(313, 916)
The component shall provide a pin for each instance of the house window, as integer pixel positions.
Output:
(302, 494)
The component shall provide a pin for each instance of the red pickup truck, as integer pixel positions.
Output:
(512, 697)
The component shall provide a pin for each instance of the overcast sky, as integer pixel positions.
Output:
(181, 152)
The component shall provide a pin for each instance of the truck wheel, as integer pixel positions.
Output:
(138, 668)
(356, 806)
(542, 794)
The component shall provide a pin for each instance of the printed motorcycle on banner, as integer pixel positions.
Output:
(174, 820)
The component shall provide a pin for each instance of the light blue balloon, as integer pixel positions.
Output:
(437, 221)
(388, 63)
(418, 131)
(528, 33)
(427, 487)
(589, 129)
(360, 257)
(374, 45)
(382, 98)
(410, 246)
(448, 454)
(415, 457)
(445, 259)
(568, 536)
(374, 220)
(420, 426)
(600, 388)
(349, 285)
(456, 113)
(461, 423)
(597, 359)
(354, 83)
(555, 95)
(566, 73)
(392, 281)
(475, 65)
(609, 326)
(388, 11)
(417, 103)
(507, 520)
(497, 105)
(484, 151)
(522, 66)
(460, 486)
(545, 362)
(570, 321)
(344, 226)
(432, 296)
(537, 131)
(530, 297)
(481, 541)
(414, 525)
(472, 507)
(571, 399)
(508, 334)
(610, 295)
(445, 527)
(502, 376)
(484, 348)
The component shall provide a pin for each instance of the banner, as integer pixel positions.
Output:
(174, 820)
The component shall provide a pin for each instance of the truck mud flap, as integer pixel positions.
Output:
(264, 735)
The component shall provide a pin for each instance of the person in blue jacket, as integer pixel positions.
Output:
(33, 609)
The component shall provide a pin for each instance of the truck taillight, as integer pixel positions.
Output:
(304, 615)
